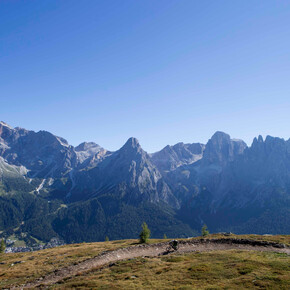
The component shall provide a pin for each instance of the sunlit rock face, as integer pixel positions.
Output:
(171, 157)
(67, 190)
(43, 154)
(128, 173)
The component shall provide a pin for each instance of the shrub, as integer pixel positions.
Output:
(2, 246)
(145, 233)
(204, 231)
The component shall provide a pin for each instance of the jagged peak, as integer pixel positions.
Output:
(2, 123)
(271, 139)
(62, 141)
(86, 146)
(259, 140)
(218, 135)
(51, 138)
(167, 148)
(221, 137)
(179, 145)
(132, 142)
(131, 146)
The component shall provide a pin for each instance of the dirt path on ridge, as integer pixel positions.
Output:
(153, 250)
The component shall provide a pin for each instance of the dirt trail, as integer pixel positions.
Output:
(152, 250)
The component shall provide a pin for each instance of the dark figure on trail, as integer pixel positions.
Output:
(173, 245)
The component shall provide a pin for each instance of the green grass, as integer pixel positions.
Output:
(18, 242)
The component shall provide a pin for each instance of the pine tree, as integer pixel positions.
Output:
(107, 239)
(145, 233)
(2, 246)
(165, 237)
(204, 231)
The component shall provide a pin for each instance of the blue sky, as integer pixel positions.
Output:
(162, 71)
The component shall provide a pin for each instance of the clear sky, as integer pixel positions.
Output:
(162, 71)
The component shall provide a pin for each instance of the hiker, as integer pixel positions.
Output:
(174, 245)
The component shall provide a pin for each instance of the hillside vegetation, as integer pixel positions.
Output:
(222, 269)
(50, 189)
(211, 270)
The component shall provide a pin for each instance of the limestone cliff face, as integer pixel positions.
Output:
(233, 183)
(223, 183)
(43, 154)
(221, 149)
(171, 157)
(128, 173)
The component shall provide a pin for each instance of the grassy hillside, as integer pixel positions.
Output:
(211, 270)
(222, 269)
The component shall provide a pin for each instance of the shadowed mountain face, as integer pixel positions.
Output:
(127, 173)
(50, 188)
(221, 149)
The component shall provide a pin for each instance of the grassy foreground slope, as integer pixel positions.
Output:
(217, 269)
(20, 268)
(211, 270)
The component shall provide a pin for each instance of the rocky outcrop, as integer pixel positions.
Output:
(171, 157)
(129, 173)
(224, 183)
(43, 154)
(221, 149)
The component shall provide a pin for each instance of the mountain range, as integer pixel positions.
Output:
(49, 188)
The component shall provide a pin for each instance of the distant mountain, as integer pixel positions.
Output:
(171, 157)
(233, 186)
(43, 154)
(128, 173)
(89, 154)
(49, 188)
(221, 149)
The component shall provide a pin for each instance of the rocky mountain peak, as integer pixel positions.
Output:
(269, 145)
(87, 146)
(7, 133)
(219, 137)
(178, 145)
(3, 124)
(274, 140)
(89, 153)
(219, 183)
(132, 142)
(171, 157)
(258, 141)
(132, 146)
(221, 148)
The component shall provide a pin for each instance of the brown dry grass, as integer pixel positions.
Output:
(210, 270)
(38, 264)
(284, 239)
